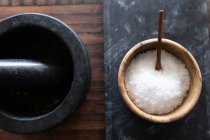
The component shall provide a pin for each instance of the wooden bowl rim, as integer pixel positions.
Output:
(166, 118)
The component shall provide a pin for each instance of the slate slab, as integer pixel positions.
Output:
(127, 22)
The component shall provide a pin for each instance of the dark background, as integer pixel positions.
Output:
(128, 22)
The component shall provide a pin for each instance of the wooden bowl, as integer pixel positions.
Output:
(186, 57)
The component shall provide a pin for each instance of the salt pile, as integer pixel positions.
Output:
(157, 92)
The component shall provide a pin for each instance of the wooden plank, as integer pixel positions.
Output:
(89, 106)
(78, 135)
(88, 117)
(55, 135)
(46, 2)
(81, 19)
(81, 125)
(88, 28)
(92, 39)
(63, 10)
(95, 90)
(88, 120)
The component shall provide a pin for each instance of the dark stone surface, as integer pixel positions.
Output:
(44, 72)
(128, 22)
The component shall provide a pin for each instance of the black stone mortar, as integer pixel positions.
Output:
(44, 72)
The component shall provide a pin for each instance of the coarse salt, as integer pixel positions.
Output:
(157, 92)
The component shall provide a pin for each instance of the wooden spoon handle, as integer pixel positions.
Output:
(160, 29)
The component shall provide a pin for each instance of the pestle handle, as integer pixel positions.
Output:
(22, 73)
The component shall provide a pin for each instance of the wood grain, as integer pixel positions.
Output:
(88, 121)
(46, 2)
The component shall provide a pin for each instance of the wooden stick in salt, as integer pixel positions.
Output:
(160, 28)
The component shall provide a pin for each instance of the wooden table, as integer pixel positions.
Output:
(86, 18)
